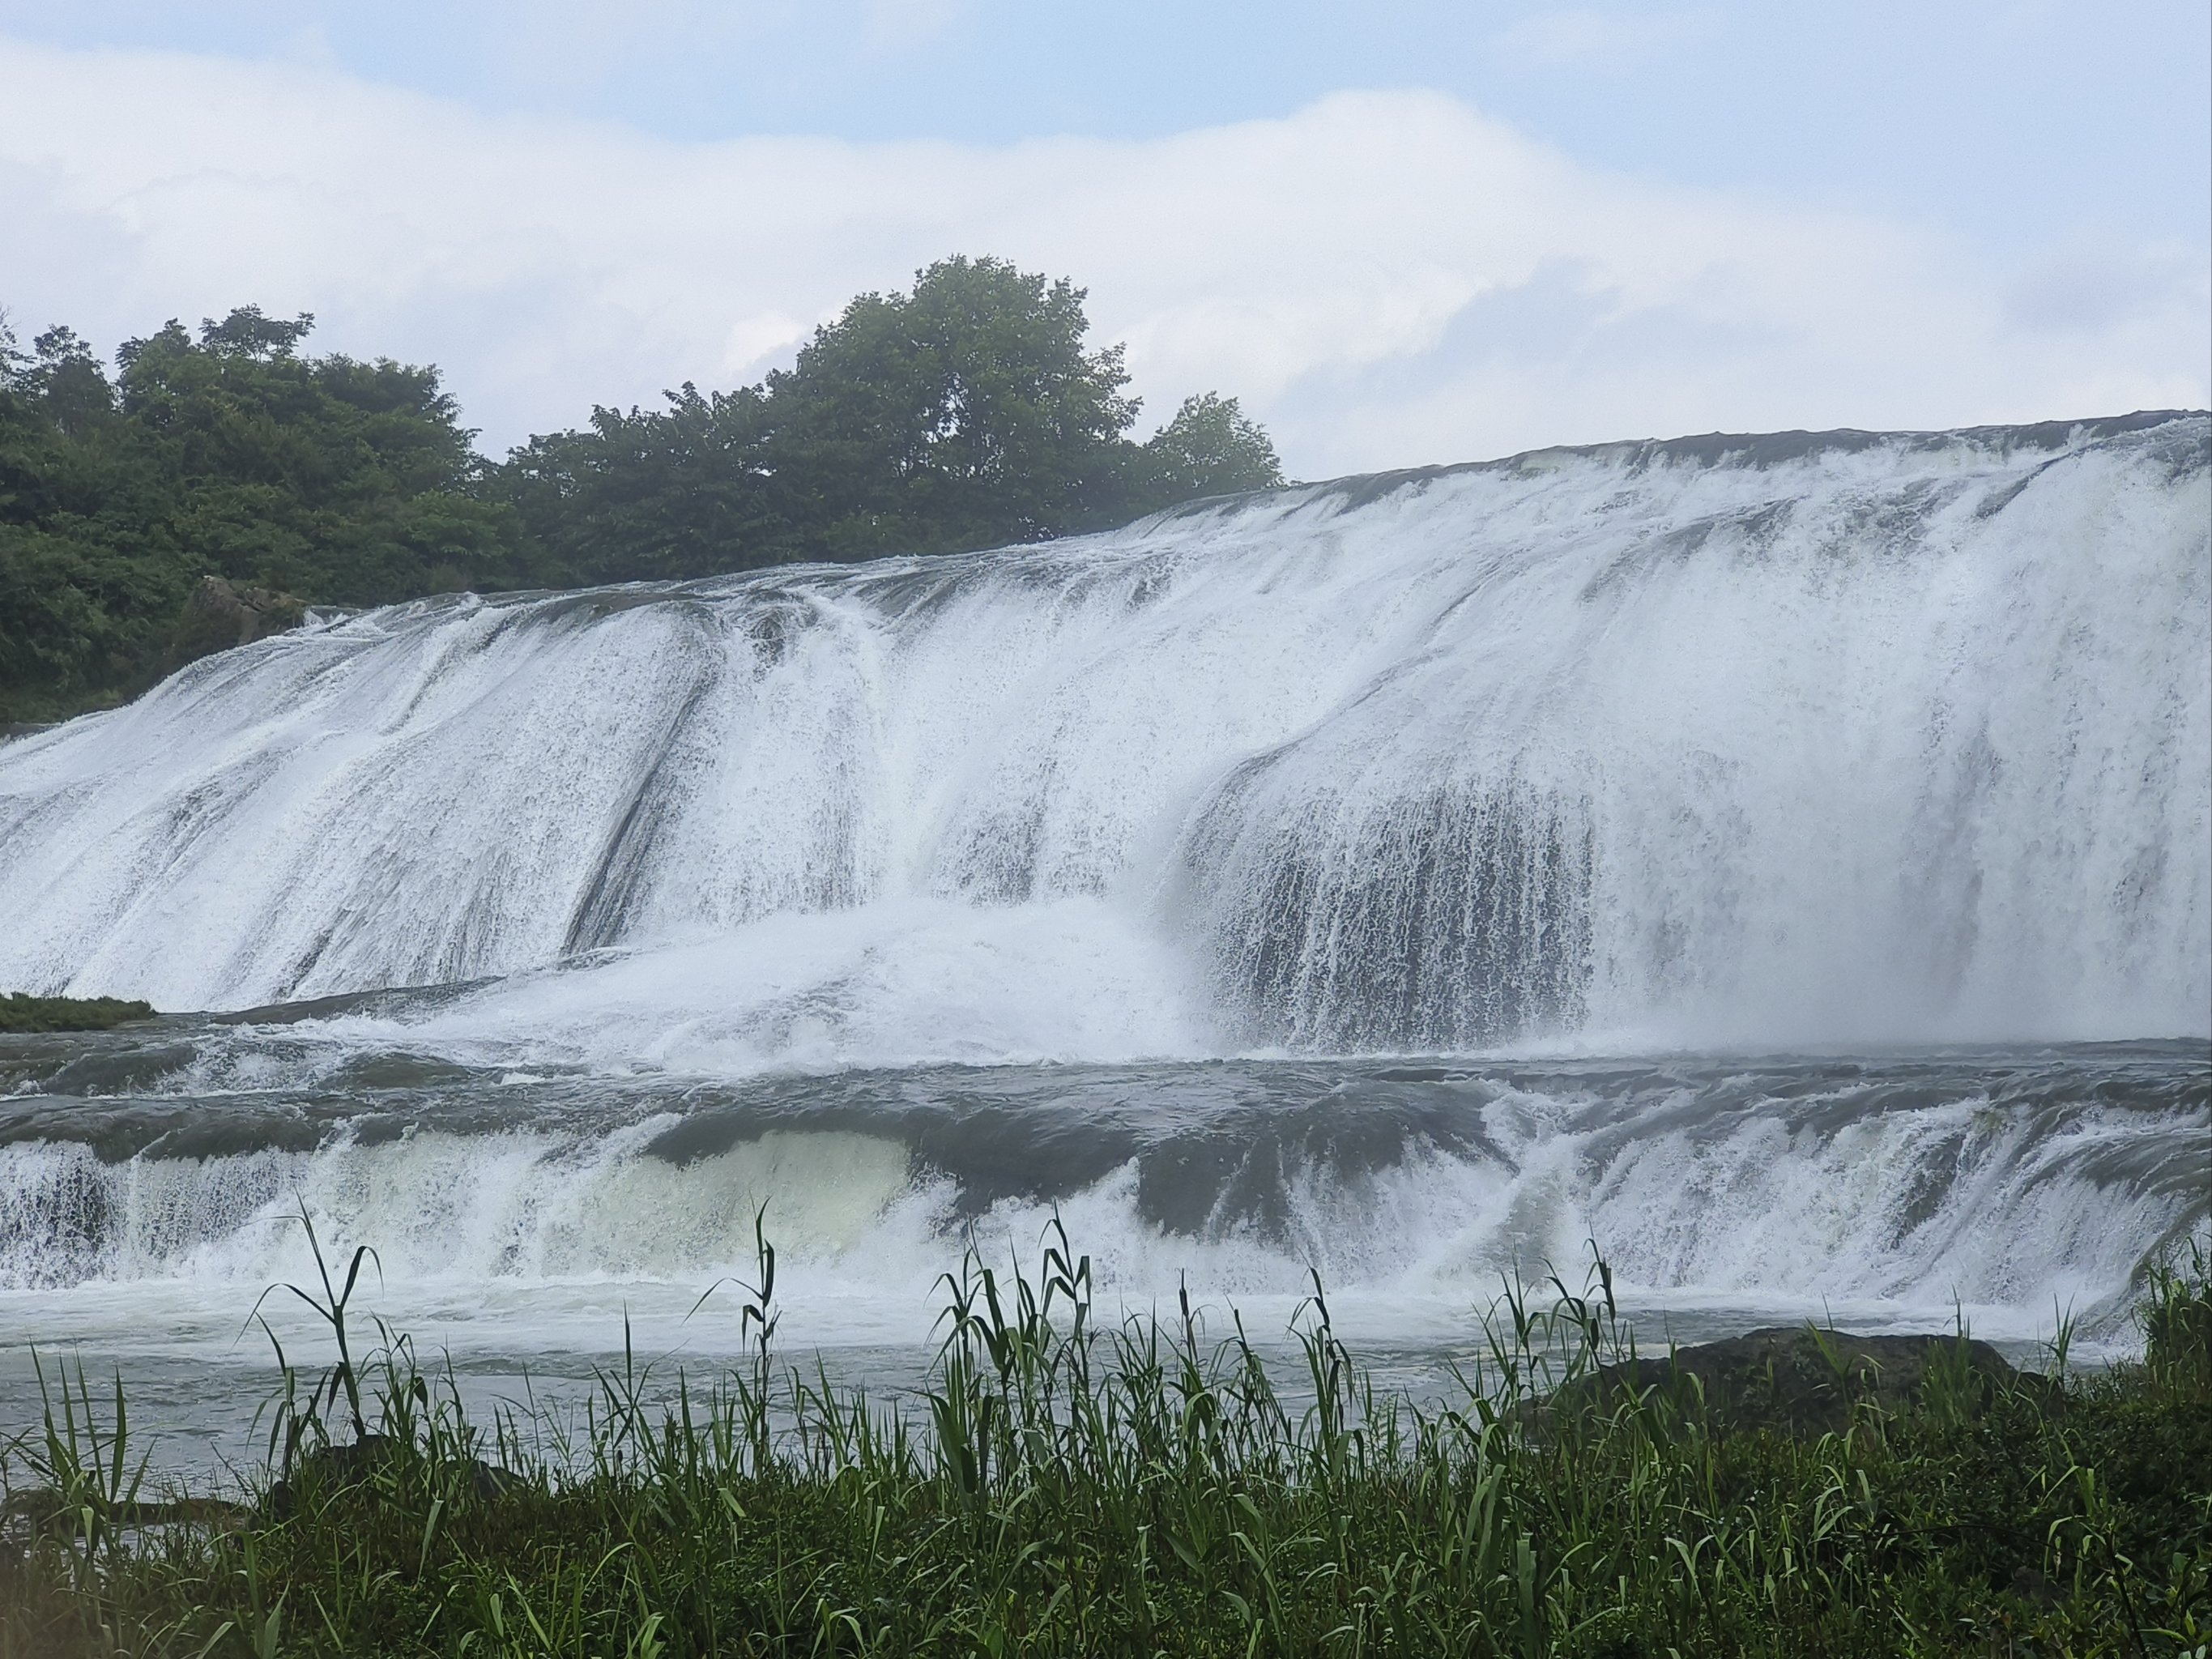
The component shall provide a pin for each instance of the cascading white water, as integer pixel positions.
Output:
(934, 895)
(1891, 738)
(1915, 1181)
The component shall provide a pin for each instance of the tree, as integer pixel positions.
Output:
(81, 604)
(683, 491)
(1210, 448)
(333, 479)
(249, 333)
(968, 412)
(965, 414)
(231, 454)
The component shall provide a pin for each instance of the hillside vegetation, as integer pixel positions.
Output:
(968, 412)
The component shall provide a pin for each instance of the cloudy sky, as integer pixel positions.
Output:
(1404, 231)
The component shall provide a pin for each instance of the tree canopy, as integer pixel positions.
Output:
(968, 412)
(225, 454)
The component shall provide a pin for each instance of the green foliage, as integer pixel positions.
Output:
(229, 454)
(1210, 448)
(966, 413)
(2176, 1316)
(1066, 1486)
(23, 1013)
(646, 497)
(340, 481)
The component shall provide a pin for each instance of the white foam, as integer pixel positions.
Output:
(909, 983)
(528, 1236)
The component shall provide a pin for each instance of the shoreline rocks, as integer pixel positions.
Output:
(1803, 1380)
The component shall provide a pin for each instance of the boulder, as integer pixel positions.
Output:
(328, 1468)
(220, 614)
(1803, 1380)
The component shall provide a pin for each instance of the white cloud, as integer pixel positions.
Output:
(754, 341)
(1387, 278)
(2094, 287)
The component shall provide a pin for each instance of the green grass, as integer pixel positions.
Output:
(20, 1012)
(1140, 1488)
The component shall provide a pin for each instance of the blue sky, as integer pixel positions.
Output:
(1404, 231)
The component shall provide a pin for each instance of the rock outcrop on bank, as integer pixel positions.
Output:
(1801, 1379)
(220, 614)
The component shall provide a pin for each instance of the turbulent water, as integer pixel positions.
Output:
(1274, 885)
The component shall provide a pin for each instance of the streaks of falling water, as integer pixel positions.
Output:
(1846, 738)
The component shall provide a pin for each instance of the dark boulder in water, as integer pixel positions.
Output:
(1807, 1380)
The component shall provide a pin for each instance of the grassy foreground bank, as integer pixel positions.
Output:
(1062, 1488)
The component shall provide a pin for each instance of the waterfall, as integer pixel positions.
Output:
(1782, 862)
(1841, 737)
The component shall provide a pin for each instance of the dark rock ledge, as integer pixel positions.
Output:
(1803, 1380)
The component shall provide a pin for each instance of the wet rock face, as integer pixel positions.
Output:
(221, 614)
(1799, 1380)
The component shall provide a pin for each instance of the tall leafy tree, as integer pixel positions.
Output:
(1211, 447)
(228, 453)
(963, 414)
